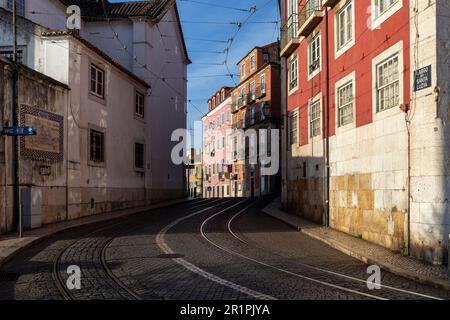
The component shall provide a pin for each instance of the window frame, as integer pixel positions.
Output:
(396, 49)
(293, 132)
(100, 161)
(378, 18)
(349, 78)
(291, 87)
(382, 87)
(243, 70)
(315, 38)
(311, 121)
(137, 95)
(136, 167)
(261, 82)
(103, 83)
(339, 48)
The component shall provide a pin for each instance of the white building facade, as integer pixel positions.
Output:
(125, 100)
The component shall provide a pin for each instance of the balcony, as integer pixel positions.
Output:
(309, 17)
(260, 92)
(329, 3)
(289, 39)
(235, 107)
(251, 98)
(243, 101)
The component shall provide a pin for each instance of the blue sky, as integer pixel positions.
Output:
(221, 25)
(250, 35)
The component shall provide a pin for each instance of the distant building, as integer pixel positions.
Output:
(195, 174)
(217, 146)
(387, 102)
(256, 105)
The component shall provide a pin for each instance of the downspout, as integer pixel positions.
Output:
(327, 125)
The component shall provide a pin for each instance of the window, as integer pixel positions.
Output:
(243, 70)
(20, 6)
(244, 96)
(139, 108)
(382, 6)
(382, 10)
(344, 26)
(228, 115)
(293, 18)
(252, 63)
(293, 128)
(314, 118)
(314, 54)
(252, 145)
(293, 74)
(97, 146)
(252, 115)
(97, 81)
(345, 104)
(265, 57)
(139, 155)
(243, 119)
(223, 95)
(263, 83)
(236, 102)
(388, 84)
(252, 91)
(214, 102)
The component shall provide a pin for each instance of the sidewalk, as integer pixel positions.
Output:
(11, 245)
(367, 252)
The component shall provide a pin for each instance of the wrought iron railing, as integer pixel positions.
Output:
(307, 11)
(289, 32)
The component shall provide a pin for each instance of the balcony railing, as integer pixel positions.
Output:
(260, 92)
(251, 97)
(243, 101)
(329, 3)
(309, 17)
(289, 39)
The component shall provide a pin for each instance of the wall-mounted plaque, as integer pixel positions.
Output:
(48, 143)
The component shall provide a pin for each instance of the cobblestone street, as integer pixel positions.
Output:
(217, 249)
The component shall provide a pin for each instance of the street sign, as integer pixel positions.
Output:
(19, 131)
(422, 78)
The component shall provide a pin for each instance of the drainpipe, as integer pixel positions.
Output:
(327, 125)
(15, 123)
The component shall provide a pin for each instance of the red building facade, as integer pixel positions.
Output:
(348, 78)
(365, 114)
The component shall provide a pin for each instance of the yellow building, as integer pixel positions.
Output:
(195, 175)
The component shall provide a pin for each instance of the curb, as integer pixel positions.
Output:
(38, 239)
(435, 283)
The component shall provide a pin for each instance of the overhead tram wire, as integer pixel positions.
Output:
(125, 48)
(215, 5)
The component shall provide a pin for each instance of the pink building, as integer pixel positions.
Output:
(217, 145)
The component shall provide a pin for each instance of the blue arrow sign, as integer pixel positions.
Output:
(19, 131)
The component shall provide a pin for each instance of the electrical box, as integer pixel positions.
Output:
(32, 208)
